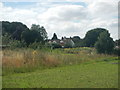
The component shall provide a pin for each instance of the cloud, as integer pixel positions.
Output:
(103, 9)
(67, 19)
(64, 13)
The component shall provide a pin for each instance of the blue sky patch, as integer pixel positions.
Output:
(19, 4)
(32, 4)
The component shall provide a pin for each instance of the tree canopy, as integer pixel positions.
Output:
(54, 37)
(77, 40)
(41, 30)
(31, 36)
(92, 36)
(105, 43)
(16, 33)
(14, 29)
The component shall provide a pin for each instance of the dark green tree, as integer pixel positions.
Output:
(56, 45)
(31, 36)
(117, 42)
(54, 37)
(5, 27)
(41, 31)
(14, 29)
(92, 36)
(76, 40)
(6, 39)
(105, 43)
(117, 47)
(17, 44)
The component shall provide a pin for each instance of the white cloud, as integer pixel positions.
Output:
(64, 13)
(67, 19)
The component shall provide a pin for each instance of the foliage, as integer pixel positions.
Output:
(85, 75)
(76, 40)
(19, 31)
(92, 36)
(116, 52)
(36, 45)
(15, 29)
(17, 44)
(41, 30)
(15, 60)
(39, 58)
(6, 39)
(56, 45)
(31, 36)
(105, 43)
(117, 42)
(69, 44)
(54, 37)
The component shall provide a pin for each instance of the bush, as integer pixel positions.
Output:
(17, 44)
(55, 45)
(116, 52)
(68, 46)
(36, 45)
(105, 43)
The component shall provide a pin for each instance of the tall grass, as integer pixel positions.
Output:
(26, 60)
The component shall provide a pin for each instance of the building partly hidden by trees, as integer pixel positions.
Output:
(61, 43)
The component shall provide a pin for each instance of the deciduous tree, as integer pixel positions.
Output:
(105, 43)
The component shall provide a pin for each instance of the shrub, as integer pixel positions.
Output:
(17, 44)
(116, 52)
(35, 45)
(55, 45)
(105, 43)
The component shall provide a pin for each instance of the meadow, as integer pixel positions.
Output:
(59, 68)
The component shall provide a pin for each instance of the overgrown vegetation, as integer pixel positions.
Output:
(29, 53)
(18, 35)
(26, 60)
(67, 68)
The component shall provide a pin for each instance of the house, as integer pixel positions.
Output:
(54, 41)
(64, 42)
(68, 42)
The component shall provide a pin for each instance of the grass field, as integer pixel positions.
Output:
(68, 68)
(86, 75)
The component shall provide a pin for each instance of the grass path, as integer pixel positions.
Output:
(86, 75)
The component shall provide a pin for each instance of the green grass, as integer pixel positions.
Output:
(92, 74)
(59, 68)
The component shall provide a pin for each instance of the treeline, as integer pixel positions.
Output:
(17, 34)
(98, 38)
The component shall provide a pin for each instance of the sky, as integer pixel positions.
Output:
(64, 17)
